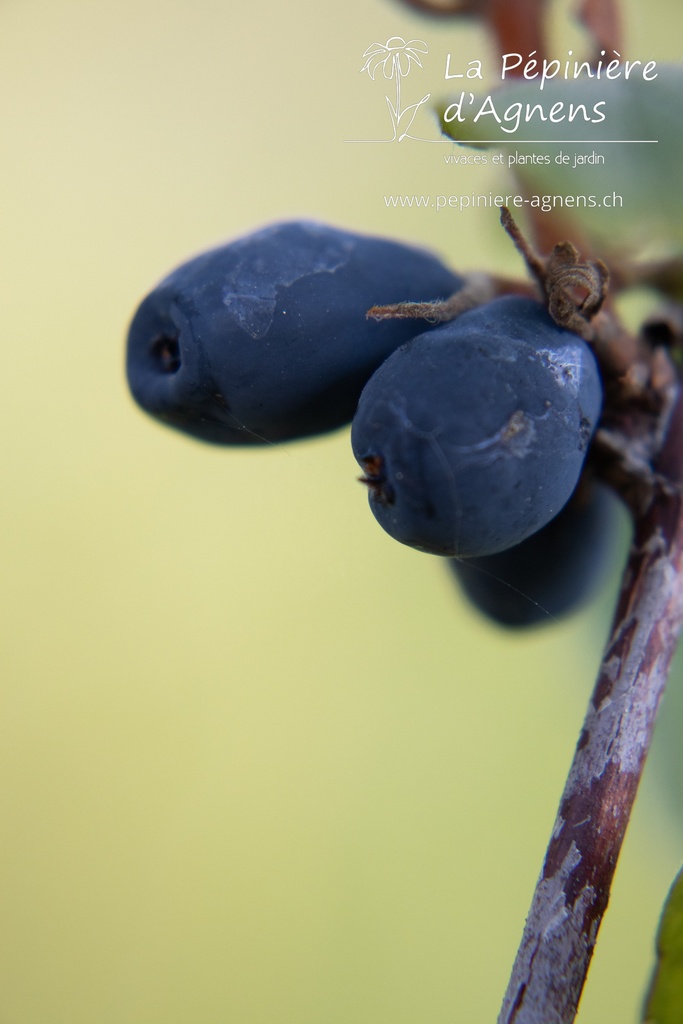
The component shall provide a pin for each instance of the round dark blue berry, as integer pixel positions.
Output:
(266, 338)
(551, 573)
(472, 436)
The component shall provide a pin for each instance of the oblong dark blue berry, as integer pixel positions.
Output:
(472, 437)
(551, 573)
(266, 338)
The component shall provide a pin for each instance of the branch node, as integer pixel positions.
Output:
(574, 289)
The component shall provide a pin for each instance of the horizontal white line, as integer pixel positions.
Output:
(564, 142)
(517, 142)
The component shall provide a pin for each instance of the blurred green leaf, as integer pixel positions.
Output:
(647, 174)
(664, 1003)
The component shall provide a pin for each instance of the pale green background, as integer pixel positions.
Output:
(260, 764)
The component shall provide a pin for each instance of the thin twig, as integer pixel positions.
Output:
(535, 265)
(476, 289)
(573, 890)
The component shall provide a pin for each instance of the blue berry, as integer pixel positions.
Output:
(266, 339)
(550, 573)
(472, 436)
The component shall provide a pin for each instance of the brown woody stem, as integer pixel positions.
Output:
(515, 25)
(573, 890)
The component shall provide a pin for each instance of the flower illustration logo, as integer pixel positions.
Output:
(395, 58)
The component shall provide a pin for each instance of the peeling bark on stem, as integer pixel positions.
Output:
(573, 890)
